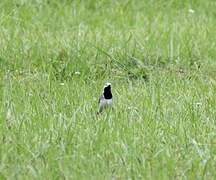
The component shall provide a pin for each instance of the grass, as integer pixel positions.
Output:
(55, 57)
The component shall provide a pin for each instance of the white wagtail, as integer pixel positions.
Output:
(106, 98)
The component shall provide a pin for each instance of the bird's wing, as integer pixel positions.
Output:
(101, 97)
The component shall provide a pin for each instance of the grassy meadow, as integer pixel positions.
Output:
(159, 55)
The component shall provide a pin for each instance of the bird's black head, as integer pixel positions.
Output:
(107, 91)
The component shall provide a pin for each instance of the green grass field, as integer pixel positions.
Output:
(160, 57)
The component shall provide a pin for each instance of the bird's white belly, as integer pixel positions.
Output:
(105, 103)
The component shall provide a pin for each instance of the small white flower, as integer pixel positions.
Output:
(198, 104)
(62, 84)
(191, 11)
(129, 107)
(77, 73)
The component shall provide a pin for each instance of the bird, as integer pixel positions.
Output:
(105, 99)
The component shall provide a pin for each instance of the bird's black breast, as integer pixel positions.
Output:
(107, 93)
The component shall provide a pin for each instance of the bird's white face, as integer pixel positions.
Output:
(107, 84)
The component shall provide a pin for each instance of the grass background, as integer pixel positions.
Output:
(55, 57)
